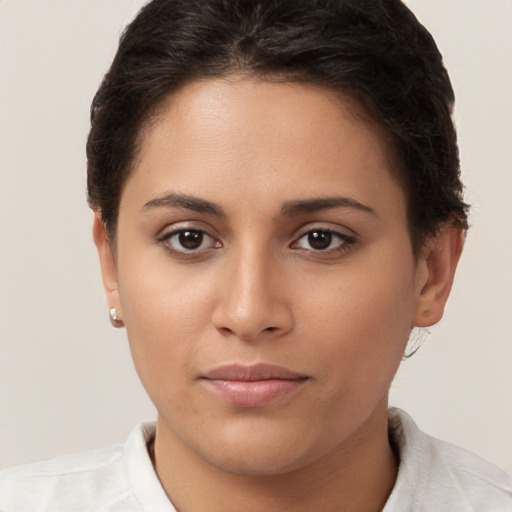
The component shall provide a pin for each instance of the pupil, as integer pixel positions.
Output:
(320, 239)
(191, 239)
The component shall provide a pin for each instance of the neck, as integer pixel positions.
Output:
(357, 477)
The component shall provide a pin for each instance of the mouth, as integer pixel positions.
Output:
(253, 386)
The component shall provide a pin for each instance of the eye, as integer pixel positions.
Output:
(323, 240)
(189, 240)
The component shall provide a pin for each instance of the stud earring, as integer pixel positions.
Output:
(114, 319)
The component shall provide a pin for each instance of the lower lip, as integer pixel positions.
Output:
(254, 393)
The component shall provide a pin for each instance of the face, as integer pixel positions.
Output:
(265, 274)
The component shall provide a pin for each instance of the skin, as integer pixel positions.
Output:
(256, 290)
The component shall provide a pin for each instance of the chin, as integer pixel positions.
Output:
(261, 464)
(260, 451)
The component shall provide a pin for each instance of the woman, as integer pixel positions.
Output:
(277, 204)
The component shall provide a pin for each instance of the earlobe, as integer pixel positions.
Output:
(436, 271)
(108, 270)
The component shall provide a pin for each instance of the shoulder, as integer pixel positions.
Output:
(85, 481)
(434, 473)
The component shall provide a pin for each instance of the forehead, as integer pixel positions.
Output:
(255, 101)
(288, 138)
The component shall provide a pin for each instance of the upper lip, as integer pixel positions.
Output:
(255, 372)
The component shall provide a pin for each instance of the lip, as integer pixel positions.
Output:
(253, 385)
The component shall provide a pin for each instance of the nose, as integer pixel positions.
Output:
(253, 301)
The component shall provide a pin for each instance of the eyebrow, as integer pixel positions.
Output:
(184, 201)
(289, 209)
(323, 203)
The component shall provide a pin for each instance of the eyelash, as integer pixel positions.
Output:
(345, 242)
(166, 240)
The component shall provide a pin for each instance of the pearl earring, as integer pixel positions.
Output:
(114, 319)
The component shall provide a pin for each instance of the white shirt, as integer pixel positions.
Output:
(433, 476)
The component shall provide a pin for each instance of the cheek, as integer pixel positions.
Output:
(361, 321)
(166, 317)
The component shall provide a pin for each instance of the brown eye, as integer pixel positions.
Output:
(323, 240)
(319, 240)
(190, 239)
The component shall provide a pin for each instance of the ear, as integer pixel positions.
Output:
(435, 273)
(108, 270)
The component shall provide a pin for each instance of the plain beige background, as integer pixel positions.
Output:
(66, 379)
